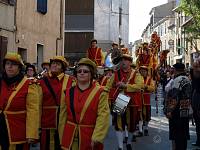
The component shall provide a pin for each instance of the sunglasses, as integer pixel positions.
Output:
(83, 70)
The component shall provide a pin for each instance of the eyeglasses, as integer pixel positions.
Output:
(83, 70)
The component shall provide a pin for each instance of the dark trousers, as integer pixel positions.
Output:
(4, 142)
(196, 115)
(45, 140)
(181, 144)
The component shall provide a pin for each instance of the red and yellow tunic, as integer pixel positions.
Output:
(96, 55)
(149, 83)
(134, 82)
(91, 120)
(20, 104)
(49, 104)
(112, 90)
(146, 109)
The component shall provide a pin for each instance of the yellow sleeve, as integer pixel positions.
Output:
(109, 83)
(151, 87)
(102, 57)
(33, 112)
(40, 93)
(137, 86)
(62, 118)
(102, 121)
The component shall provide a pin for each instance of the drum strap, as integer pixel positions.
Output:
(71, 96)
(119, 75)
(46, 81)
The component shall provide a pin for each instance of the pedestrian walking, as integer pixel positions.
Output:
(195, 76)
(177, 108)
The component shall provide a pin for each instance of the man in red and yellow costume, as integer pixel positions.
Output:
(54, 86)
(84, 115)
(103, 82)
(149, 87)
(19, 106)
(145, 56)
(95, 53)
(125, 50)
(127, 81)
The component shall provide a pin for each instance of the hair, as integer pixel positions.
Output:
(31, 66)
(63, 66)
(20, 65)
(92, 71)
(93, 40)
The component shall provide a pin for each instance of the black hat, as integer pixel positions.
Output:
(179, 66)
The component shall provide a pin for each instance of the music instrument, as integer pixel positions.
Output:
(41, 74)
(120, 103)
(100, 70)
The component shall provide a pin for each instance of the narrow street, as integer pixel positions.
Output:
(158, 134)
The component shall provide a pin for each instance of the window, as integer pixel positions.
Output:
(179, 47)
(3, 50)
(4, 1)
(79, 7)
(79, 15)
(39, 55)
(76, 44)
(161, 30)
(120, 16)
(42, 6)
(23, 53)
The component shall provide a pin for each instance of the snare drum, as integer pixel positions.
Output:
(120, 103)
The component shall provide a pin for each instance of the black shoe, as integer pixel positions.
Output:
(119, 148)
(146, 132)
(196, 144)
(140, 134)
(125, 139)
(133, 138)
(128, 147)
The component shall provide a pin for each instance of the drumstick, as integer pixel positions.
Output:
(117, 88)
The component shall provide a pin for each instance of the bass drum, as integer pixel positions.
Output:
(108, 61)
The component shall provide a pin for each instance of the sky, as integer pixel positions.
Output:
(139, 16)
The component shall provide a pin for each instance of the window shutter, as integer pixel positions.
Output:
(42, 6)
(12, 2)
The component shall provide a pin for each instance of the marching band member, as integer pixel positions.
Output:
(129, 82)
(45, 65)
(53, 86)
(115, 53)
(84, 114)
(19, 106)
(149, 87)
(95, 53)
(30, 71)
(104, 80)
